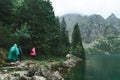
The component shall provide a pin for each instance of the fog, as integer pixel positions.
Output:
(87, 7)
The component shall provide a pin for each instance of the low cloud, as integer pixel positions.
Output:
(87, 7)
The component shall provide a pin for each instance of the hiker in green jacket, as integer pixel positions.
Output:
(13, 53)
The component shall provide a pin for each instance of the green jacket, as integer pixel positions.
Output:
(13, 53)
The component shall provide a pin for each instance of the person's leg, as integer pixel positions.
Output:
(20, 57)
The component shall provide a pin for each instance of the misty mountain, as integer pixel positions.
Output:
(94, 26)
(112, 19)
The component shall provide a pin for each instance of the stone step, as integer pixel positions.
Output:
(10, 64)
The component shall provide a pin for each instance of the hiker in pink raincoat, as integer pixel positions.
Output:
(33, 52)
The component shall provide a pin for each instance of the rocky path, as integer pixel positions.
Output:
(28, 70)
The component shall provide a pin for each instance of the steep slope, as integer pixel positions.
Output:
(72, 19)
(94, 26)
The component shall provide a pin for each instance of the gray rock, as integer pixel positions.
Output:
(56, 76)
(25, 78)
(22, 73)
(45, 72)
(31, 71)
(3, 76)
(69, 63)
(13, 78)
(38, 78)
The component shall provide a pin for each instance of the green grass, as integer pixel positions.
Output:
(46, 60)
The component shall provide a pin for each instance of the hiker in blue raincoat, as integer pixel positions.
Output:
(21, 53)
(13, 53)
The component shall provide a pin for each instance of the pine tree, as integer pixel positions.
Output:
(64, 33)
(64, 38)
(6, 7)
(39, 16)
(77, 42)
(44, 28)
(56, 40)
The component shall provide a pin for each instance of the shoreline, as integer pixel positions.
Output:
(33, 70)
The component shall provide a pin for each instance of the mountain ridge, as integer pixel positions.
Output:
(92, 27)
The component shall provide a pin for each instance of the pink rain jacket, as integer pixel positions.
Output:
(33, 52)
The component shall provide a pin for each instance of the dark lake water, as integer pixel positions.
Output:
(98, 67)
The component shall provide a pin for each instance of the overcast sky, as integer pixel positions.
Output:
(87, 7)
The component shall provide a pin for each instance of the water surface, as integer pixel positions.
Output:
(98, 67)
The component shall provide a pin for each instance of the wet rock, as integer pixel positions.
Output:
(13, 78)
(5, 70)
(21, 73)
(23, 78)
(56, 76)
(3, 76)
(38, 72)
(69, 63)
(26, 78)
(9, 77)
(38, 78)
(31, 71)
(45, 72)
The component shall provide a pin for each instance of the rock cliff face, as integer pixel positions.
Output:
(94, 26)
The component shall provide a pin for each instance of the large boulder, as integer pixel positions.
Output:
(56, 76)
(38, 78)
(45, 72)
(21, 73)
(69, 63)
(25, 78)
(13, 78)
(31, 71)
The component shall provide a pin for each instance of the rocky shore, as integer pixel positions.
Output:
(29, 70)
